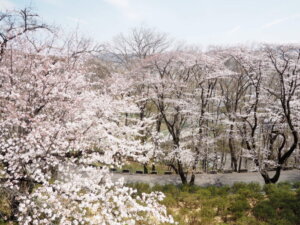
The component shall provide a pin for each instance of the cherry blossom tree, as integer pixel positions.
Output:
(282, 78)
(170, 77)
(52, 121)
(130, 51)
(205, 74)
(265, 118)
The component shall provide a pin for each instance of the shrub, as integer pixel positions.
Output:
(239, 207)
(281, 207)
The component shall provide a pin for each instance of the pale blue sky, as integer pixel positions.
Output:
(204, 22)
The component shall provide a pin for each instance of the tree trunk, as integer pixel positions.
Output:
(232, 151)
(153, 167)
(126, 119)
(240, 163)
(145, 169)
(194, 168)
(181, 173)
(192, 180)
(271, 180)
(158, 123)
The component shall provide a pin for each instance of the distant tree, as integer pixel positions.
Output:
(138, 44)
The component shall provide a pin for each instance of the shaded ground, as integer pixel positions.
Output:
(207, 179)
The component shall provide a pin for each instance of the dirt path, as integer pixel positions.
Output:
(207, 179)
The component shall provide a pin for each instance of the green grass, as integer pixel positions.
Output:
(241, 204)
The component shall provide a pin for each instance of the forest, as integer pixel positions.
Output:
(73, 110)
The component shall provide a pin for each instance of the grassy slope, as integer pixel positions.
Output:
(241, 204)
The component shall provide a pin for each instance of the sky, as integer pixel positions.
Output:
(199, 22)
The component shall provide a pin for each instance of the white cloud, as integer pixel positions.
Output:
(280, 20)
(125, 7)
(6, 4)
(52, 2)
(233, 30)
(119, 3)
(77, 20)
